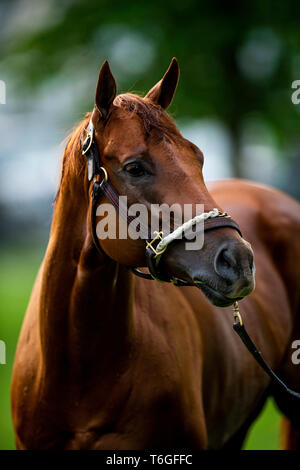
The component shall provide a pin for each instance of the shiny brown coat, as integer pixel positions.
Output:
(107, 360)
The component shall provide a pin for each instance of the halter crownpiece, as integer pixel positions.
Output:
(156, 246)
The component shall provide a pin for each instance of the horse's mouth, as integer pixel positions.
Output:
(215, 297)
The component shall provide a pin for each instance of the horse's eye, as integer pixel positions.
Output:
(135, 169)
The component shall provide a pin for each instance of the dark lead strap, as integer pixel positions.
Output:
(279, 386)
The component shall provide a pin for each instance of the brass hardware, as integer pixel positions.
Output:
(236, 314)
(223, 214)
(105, 175)
(158, 236)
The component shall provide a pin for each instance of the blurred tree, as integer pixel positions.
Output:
(238, 59)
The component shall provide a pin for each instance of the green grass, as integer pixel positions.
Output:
(18, 270)
(264, 433)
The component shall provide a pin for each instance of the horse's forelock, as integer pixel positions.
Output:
(152, 115)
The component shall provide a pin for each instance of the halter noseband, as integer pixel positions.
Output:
(155, 247)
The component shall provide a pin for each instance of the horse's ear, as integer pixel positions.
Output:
(106, 89)
(162, 93)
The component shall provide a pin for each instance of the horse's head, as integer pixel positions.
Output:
(150, 162)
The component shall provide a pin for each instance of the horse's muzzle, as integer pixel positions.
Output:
(232, 278)
(234, 264)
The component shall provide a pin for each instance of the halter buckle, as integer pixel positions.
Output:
(158, 236)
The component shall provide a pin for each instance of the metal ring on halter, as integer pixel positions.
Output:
(105, 175)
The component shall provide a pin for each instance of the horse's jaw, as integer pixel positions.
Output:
(216, 298)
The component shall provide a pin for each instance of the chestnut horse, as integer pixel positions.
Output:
(107, 360)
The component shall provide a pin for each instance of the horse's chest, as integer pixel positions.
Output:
(150, 405)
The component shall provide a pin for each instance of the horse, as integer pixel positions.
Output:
(109, 360)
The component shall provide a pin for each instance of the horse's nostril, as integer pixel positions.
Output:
(234, 263)
(228, 258)
(226, 265)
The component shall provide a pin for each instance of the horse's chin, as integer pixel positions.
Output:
(217, 298)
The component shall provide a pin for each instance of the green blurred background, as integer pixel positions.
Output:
(238, 63)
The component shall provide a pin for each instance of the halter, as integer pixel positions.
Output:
(156, 247)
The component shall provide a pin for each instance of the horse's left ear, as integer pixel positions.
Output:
(106, 89)
(162, 93)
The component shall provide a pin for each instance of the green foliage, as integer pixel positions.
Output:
(265, 432)
(238, 59)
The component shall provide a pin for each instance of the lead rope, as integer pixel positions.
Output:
(239, 328)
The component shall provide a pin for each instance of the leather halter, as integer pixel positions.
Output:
(101, 186)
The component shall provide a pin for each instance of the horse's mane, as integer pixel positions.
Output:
(151, 115)
(73, 160)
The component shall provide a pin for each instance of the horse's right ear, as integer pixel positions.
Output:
(106, 90)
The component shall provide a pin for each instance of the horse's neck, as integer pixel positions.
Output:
(85, 301)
